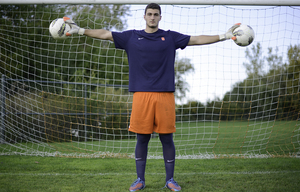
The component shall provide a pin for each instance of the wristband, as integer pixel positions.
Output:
(81, 31)
(222, 37)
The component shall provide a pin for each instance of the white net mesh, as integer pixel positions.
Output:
(70, 97)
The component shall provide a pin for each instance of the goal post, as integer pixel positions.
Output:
(70, 97)
(170, 2)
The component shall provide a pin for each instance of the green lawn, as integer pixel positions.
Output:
(203, 140)
(25, 173)
(224, 138)
(197, 139)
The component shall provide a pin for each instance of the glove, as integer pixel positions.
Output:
(75, 29)
(229, 33)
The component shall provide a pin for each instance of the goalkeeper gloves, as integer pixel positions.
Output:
(75, 29)
(229, 33)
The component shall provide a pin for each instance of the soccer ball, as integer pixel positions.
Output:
(58, 29)
(244, 35)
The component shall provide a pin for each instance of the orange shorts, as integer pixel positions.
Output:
(153, 112)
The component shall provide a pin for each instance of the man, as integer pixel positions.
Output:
(151, 55)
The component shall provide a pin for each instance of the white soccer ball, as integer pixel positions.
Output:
(58, 29)
(244, 35)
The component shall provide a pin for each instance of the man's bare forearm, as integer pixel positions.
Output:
(99, 34)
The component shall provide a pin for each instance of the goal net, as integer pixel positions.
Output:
(70, 97)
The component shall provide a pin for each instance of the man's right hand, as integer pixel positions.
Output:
(75, 29)
(229, 33)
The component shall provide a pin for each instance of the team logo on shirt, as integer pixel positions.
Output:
(163, 39)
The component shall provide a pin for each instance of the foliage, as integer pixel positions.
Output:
(19, 23)
(183, 66)
(76, 59)
(293, 69)
(54, 117)
(30, 53)
(272, 94)
(269, 92)
(43, 58)
(256, 63)
(191, 111)
(91, 68)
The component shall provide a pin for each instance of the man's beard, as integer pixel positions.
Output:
(153, 26)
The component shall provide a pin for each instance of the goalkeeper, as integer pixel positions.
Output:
(151, 56)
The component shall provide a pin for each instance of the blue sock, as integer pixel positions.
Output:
(169, 154)
(141, 151)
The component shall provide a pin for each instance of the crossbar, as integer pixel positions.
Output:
(178, 2)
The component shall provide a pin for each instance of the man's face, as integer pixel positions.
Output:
(152, 18)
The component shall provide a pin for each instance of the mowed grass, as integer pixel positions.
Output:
(231, 138)
(35, 174)
(218, 139)
(212, 138)
(275, 138)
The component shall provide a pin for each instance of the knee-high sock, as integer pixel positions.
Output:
(141, 151)
(168, 153)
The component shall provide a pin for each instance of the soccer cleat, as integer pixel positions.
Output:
(173, 185)
(137, 185)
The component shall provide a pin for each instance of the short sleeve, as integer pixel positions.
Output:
(181, 40)
(121, 39)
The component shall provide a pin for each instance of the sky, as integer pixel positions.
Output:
(219, 66)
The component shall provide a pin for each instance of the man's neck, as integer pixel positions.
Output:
(151, 30)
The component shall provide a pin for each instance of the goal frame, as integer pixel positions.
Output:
(187, 2)
(204, 117)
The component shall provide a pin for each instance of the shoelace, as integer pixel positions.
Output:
(171, 181)
(136, 181)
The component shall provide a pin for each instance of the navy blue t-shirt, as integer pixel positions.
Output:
(151, 58)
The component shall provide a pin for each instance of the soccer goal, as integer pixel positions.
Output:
(70, 97)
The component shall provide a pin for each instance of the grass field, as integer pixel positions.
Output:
(35, 174)
(193, 139)
(213, 138)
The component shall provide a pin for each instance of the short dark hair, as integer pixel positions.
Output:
(153, 6)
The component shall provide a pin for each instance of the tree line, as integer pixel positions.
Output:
(90, 67)
(264, 95)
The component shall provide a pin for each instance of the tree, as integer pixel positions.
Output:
(28, 51)
(23, 52)
(255, 66)
(183, 66)
(291, 100)
(92, 60)
(293, 69)
(274, 60)
(191, 111)
(271, 93)
(265, 94)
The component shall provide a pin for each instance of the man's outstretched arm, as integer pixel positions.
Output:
(203, 39)
(95, 33)
(208, 39)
